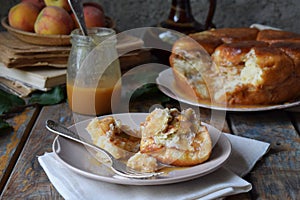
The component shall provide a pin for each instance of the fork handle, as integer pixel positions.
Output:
(63, 131)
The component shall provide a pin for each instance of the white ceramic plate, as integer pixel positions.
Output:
(76, 157)
(167, 85)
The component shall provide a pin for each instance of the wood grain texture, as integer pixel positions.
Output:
(276, 175)
(12, 141)
(28, 180)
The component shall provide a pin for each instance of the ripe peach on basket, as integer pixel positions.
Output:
(22, 16)
(39, 3)
(54, 20)
(59, 3)
(93, 15)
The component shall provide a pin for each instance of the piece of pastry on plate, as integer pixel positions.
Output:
(109, 134)
(142, 162)
(175, 138)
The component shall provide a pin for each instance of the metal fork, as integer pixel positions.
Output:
(117, 166)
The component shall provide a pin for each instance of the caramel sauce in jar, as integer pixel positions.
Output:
(93, 73)
(92, 101)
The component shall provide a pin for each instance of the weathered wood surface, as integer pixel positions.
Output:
(28, 180)
(276, 175)
(13, 139)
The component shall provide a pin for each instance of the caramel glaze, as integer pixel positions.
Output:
(232, 54)
(272, 36)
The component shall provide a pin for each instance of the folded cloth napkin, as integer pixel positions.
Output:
(223, 182)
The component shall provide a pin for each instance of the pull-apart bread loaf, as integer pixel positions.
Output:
(238, 66)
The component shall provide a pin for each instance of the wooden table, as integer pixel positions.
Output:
(275, 176)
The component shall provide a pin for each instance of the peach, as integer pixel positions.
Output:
(39, 3)
(97, 5)
(93, 17)
(54, 20)
(59, 3)
(22, 16)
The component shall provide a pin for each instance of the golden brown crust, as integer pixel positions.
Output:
(108, 134)
(207, 40)
(292, 49)
(229, 35)
(175, 138)
(233, 54)
(276, 65)
(272, 36)
(189, 90)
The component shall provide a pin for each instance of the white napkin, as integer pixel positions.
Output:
(223, 182)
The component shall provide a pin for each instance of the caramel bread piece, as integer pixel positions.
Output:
(233, 54)
(267, 66)
(176, 138)
(190, 62)
(272, 36)
(229, 35)
(207, 40)
(266, 71)
(292, 49)
(111, 135)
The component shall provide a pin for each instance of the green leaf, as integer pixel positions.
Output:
(145, 89)
(54, 96)
(9, 101)
(150, 90)
(3, 124)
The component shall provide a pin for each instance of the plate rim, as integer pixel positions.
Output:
(160, 181)
(220, 108)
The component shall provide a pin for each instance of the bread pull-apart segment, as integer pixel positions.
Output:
(233, 54)
(265, 66)
(190, 62)
(292, 49)
(229, 35)
(109, 134)
(266, 72)
(207, 40)
(272, 36)
(176, 138)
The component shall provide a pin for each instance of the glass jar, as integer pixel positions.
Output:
(93, 72)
